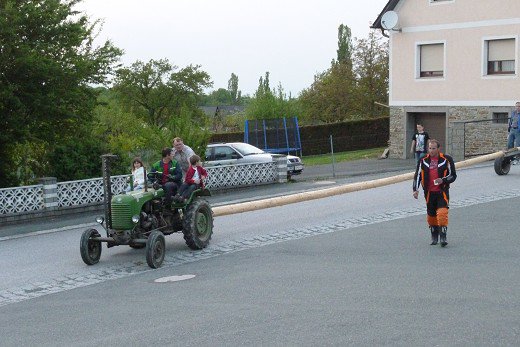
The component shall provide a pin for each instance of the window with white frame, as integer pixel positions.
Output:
(500, 56)
(431, 60)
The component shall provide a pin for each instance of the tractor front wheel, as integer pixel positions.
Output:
(198, 224)
(155, 249)
(90, 249)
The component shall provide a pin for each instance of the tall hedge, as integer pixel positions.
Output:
(346, 136)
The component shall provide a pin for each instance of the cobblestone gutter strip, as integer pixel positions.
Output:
(72, 281)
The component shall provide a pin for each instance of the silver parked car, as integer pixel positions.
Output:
(243, 153)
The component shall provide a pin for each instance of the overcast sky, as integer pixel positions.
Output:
(292, 39)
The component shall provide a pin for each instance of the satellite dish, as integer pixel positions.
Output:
(389, 20)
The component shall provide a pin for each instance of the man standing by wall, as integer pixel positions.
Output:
(513, 139)
(435, 173)
(182, 154)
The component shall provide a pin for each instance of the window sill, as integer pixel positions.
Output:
(440, 2)
(499, 76)
(425, 79)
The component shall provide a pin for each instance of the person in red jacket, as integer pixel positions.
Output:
(194, 180)
(435, 173)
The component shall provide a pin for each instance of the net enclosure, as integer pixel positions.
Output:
(278, 135)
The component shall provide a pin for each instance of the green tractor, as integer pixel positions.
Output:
(140, 219)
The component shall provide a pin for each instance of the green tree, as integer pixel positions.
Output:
(156, 91)
(149, 105)
(230, 96)
(330, 98)
(344, 51)
(371, 71)
(233, 90)
(262, 105)
(47, 62)
(121, 129)
(75, 159)
(349, 88)
(267, 103)
(129, 135)
(219, 97)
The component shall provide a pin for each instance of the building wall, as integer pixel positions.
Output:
(397, 142)
(424, 12)
(465, 92)
(470, 130)
(481, 135)
(464, 82)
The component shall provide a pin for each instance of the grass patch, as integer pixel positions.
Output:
(372, 153)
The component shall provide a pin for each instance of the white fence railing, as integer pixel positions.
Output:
(241, 175)
(21, 199)
(52, 196)
(88, 191)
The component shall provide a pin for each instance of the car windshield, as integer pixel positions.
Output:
(246, 149)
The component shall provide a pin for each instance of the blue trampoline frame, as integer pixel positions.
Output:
(289, 147)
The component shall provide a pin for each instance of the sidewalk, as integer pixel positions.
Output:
(313, 178)
(356, 168)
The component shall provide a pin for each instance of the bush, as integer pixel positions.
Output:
(80, 158)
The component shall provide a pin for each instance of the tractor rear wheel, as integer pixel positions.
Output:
(90, 249)
(502, 166)
(155, 249)
(198, 224)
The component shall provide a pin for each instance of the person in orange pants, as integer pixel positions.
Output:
(435, 172)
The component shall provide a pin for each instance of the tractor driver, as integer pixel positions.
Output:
(171, 174)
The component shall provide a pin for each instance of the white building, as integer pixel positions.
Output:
(453, 68)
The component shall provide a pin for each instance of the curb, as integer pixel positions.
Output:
(48, 231)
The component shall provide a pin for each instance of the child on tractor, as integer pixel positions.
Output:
(194, 180)
(137, 174)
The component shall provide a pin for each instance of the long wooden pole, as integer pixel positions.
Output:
(337, 190)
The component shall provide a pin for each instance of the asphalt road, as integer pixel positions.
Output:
(355, 269)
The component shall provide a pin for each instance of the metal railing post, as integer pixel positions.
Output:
(333, 160)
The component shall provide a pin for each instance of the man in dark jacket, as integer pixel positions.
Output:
(171, 174)
(435, 173)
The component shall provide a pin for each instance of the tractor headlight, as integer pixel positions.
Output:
(135, 219)
(100, 220)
